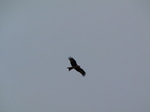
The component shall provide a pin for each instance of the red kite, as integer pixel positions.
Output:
(75, 66)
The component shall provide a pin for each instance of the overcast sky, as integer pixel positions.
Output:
(110, 40)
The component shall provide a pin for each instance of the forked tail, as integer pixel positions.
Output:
(70, 68)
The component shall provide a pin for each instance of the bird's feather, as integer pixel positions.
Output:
(72, 61)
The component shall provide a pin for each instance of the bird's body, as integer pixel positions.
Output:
(75, 66)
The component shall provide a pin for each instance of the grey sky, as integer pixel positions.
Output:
(109, 39)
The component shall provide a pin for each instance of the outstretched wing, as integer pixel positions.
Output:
(81, 71)
(72, 61)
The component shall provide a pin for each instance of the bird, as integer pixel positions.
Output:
(75, 66)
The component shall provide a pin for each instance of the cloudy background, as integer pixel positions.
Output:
(109, 39)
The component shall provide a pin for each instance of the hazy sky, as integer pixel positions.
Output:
(110, 39)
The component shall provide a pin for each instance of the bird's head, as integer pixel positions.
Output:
(78, 66)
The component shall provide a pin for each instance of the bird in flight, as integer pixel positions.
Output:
(75, 66)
